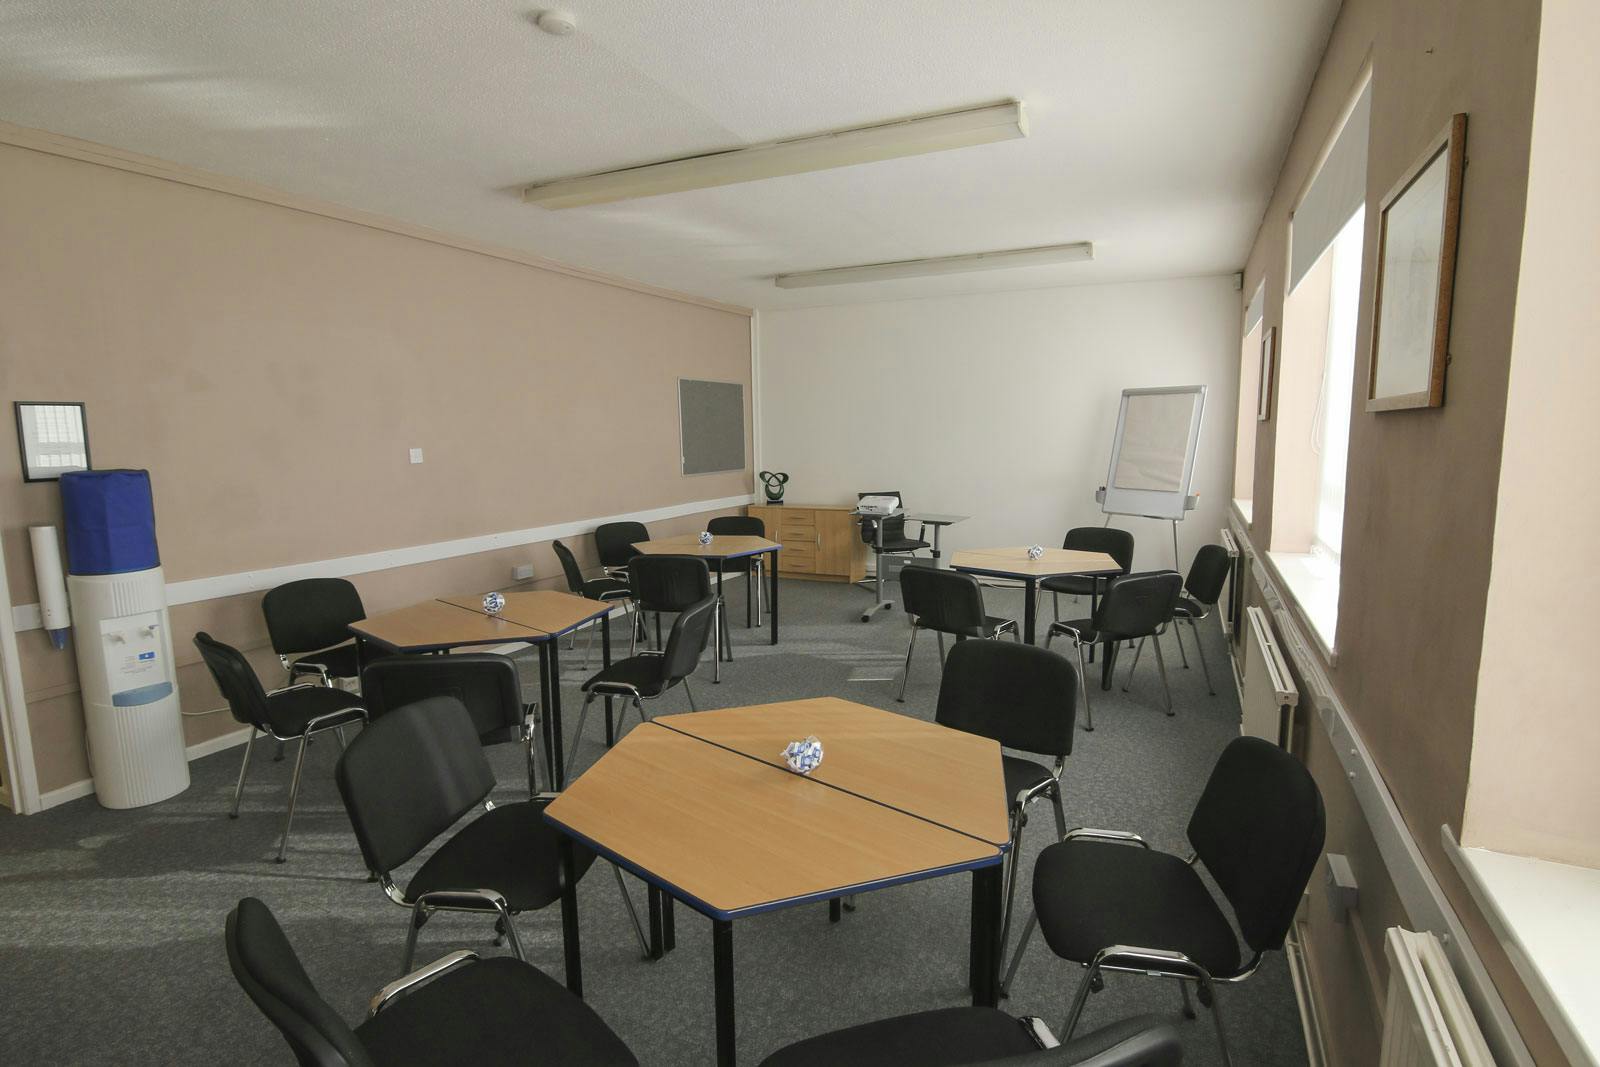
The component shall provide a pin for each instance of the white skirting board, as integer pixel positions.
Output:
(195, 751)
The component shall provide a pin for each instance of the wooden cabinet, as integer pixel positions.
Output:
(819, 541)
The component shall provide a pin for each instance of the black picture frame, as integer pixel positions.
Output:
(28, 467)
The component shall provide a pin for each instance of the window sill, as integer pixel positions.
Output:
(1313, 582)
(1547, 917)
(1243, 507)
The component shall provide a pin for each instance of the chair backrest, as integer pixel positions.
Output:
(486, 684)
(687, 641)
(1118, 544)
(737, 526)
(948, 601)
(408, 777)
(1207, 573)
(569, 567)
(894, 527)
(311, 614)
(615, 540)
(1259, 829)
(668, 583)
(1022, 696)
(237, 680)
(1142, 1041)
(1137, 605)
(268, 970)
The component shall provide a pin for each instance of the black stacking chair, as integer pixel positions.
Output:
(667, 584)
(1135, 606)
(412, 775)
(608, 589)
(1109, 902)
(1201, 591)
(1026, 698)
(650, 674)
(300, 711)
(457, 1009)
(946, 602)
(486, 684)
(753, 567)
(948, 1037)
(308, 623)
(1118, 544)
(614, 541)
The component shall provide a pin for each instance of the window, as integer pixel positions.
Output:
(1244, 456)
(1338, 378)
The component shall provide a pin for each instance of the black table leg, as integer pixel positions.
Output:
(544, 718)
(1108, 663)
(1029, 609)
(984, 958)
(658, 947)
(553, 664)
(835, 910)
(722, 618)
(605, 661)
(569, 917)
(722, 966)
(772, 601)
(669, 931)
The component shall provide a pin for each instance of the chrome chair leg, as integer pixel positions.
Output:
(577, 735)
(238, 789)
(1188, 1005)
(907, 676)
(1177, 635)
(278, 756)
(1079, 1000)
(1013, 862)
(338, 731)
(1199, 650)
(294, 794)
(1016, 957)
(690, 695)
(1083, 690)
(533, 760)
(419, 915)
(940, 635)
(639, 706)
(1161, 664)
(1138, 650)
(1216, 1019)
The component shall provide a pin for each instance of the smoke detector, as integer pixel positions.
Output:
(556, 23)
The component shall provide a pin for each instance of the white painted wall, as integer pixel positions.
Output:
(998, 405)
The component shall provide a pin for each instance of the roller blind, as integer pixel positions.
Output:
(1339, 188)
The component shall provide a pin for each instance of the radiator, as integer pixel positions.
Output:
(1426, 1021)
(1267, 692)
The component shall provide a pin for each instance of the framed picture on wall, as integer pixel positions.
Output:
(1417, 229)
(52, 438)
(1269, 347)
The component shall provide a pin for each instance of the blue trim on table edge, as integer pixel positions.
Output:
(788, 902)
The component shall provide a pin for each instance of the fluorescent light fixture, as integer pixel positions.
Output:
(1044, 255)
(842, 148)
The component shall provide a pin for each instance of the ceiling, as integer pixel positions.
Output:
(1156, 126)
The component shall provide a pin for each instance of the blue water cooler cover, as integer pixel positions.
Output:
(110, 518)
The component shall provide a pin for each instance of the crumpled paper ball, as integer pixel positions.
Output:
(493, 603)
(803, 757)
(705, 537)
(1036, 552)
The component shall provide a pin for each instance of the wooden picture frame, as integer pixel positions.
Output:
(52, 438)
(1269, 352)
(1418, 227)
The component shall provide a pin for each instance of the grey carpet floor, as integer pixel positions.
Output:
(111, 922)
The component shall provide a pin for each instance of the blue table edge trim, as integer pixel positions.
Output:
(788, 902)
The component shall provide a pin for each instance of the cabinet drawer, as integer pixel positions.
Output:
(805, 525)
(805, 550)
(796, 563)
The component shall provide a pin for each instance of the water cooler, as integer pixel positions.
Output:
(123, 638)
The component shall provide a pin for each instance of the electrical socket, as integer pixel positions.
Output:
(416, 455)
(522, 572)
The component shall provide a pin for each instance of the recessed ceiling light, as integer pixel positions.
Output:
(556, 23)
(1044, 255)
(841, 148)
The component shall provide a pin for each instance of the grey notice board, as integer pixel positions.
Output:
(711, 421)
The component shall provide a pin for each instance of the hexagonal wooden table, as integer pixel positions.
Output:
(704, 809)
(1014, 563)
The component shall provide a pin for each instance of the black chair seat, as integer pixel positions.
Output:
(601, 588)
(996, 623)
(1022, 774)
(511, 850)
(448, 1021)
(290, 709)
(1074, 584)
(902, 544)
(643, 673)
(944, 1037)
(340, 662)
(1095, 894)
(1189, 608)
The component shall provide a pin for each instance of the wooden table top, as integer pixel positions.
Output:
(434, 624)
(924, 769)
(723, 546)
(734, 836)
(1014, 562)
(547, 610)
